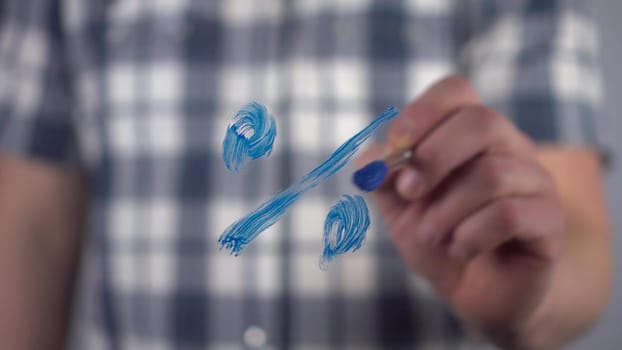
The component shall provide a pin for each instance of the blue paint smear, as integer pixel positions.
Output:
(250, 135)
(345, 228)
(243, 231)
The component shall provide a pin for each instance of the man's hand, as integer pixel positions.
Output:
(474, 212)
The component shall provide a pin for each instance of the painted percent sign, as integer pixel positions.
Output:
(250, 135)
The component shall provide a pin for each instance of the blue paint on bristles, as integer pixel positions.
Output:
(373, 175)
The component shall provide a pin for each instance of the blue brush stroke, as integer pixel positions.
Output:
(345, 228)
(250, 135)
(243, 231)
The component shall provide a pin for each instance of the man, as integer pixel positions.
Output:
(112, 114)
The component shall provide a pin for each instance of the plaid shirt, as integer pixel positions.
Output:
(139, 92)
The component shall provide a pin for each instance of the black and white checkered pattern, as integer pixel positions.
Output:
(139, 92)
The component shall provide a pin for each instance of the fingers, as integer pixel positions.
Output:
(534, 221)
(469, 132)
(452, 129)
(532, 226)
(484, 180)
(473, 184)
(429, 110)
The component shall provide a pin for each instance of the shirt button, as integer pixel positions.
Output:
(255, 337)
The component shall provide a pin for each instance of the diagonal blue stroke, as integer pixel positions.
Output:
(250, 135)
(245, 230)
(344, 228)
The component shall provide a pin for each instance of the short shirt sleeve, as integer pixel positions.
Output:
(35, 86)
(537, 63)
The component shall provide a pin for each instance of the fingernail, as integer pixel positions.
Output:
(408, 182)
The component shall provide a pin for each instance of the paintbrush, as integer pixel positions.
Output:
(372, 175)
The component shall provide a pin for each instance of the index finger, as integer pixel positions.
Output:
(429, 110)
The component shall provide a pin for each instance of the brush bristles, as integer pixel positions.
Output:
(371, 176)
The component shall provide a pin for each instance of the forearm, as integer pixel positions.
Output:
(35, 294)
(39, 244)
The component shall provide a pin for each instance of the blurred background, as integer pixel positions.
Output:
(608, 334)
